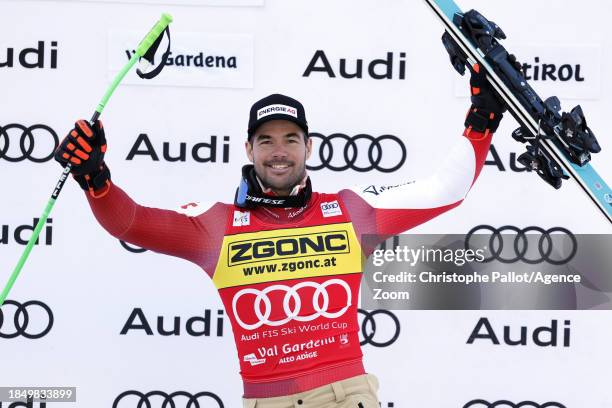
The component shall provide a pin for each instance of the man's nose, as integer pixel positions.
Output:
(279, 152)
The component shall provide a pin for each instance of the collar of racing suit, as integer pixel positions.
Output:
(252, 194)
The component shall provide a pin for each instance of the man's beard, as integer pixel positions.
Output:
(286, 186)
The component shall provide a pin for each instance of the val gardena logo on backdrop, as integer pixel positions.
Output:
(196, 59)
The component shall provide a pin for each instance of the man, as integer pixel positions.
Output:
(287, 260)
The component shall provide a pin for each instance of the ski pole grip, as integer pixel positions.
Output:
(155, 32)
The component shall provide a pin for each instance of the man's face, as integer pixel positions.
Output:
(279, 153)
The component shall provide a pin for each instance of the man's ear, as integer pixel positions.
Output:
(308, 148)
(248, 146)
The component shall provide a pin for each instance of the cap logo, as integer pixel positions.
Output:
(274, 109)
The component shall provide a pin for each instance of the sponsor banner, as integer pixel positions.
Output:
(567, 71)
(287, 254)
(196, 59)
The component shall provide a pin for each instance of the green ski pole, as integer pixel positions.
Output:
(143, 47)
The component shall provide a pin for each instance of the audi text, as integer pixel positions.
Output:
(200, 152)
(383, 68)
(31, 57)
(543, 336)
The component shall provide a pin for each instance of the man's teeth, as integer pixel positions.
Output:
(279, 166)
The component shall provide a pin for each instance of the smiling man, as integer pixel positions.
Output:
(287, 260)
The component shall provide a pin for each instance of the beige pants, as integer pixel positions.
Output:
(355, 392)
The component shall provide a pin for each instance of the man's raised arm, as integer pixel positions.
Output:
(189, 233)
(390, 210)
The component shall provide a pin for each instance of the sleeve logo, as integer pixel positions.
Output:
(331, 209)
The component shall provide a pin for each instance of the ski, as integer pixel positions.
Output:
(559, 144)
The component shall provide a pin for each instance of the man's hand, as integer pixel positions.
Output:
(84, 148)
(483, 96)
(487, 106)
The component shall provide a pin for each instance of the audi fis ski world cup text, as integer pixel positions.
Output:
(378, 328)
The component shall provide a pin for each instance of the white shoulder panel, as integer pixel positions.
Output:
(449, 184)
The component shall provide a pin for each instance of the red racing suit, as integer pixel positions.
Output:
(289, 278)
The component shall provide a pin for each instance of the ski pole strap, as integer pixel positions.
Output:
(481, 120)
(150, 57)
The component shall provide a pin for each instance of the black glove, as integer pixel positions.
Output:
(487, 107)
(483, 96)
(84, 149)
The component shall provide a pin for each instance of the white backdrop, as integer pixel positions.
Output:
(92, 284)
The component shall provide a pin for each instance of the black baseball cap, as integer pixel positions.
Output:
(277, 106)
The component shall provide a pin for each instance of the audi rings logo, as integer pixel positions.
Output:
(507, 404)
(319, 301)
(349, 158)
(178, 399)
(369, 328)
(531, 245)
(24, 141)
(32, 319)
